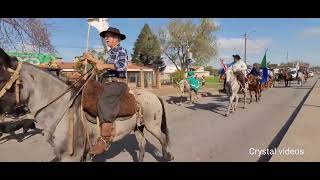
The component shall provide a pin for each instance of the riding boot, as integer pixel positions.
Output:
(104, 141)
(224, 88)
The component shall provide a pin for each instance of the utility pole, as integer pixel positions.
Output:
(288, 60)
(245, 47)
(246, 35)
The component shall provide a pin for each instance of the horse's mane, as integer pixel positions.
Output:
(56, 79)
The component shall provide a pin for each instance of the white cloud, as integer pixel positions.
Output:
(311, 31)
(229, 46)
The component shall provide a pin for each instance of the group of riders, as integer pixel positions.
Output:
(243, 72)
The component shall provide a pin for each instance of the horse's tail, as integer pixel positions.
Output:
(164, 127)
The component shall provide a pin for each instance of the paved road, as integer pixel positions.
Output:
(199, 132)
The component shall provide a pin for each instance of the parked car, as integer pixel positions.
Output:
(311, 74)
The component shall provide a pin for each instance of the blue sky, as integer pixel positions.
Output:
(299, 37)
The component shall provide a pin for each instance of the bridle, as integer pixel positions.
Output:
(15, 78)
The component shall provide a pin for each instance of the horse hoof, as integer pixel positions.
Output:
(168, 157)
(226, 115)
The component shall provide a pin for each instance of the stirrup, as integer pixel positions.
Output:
(107, 144)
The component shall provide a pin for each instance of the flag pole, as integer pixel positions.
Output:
(88, 35)
(87, 49)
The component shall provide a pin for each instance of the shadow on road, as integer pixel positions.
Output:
(310, 105)
(176, 99)
(21, 136)
(303, 87)
(278, 87)
(213, 107)
(129, 144)
(185, 98)
(209, 94)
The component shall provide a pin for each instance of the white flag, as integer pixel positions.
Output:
(298, 66)
(101, 24)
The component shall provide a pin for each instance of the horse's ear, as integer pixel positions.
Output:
(4, 58)
(13, 63)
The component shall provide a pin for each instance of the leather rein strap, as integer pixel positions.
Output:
(14, 78)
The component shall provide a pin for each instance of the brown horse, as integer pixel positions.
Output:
(287, 78)
(255, 86)
(270, 82)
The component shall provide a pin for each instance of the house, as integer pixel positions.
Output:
(135, 72)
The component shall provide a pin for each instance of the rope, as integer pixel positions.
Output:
(69, 89)
(13, 79)
(54, 125)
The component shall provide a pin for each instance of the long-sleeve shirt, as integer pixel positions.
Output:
(240, 66)
(255, 72)
(119, 57)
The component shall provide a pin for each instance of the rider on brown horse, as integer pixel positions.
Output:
(109, 105)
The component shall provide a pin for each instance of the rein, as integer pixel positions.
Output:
(65, 92)
(55, 124)
(15, 78)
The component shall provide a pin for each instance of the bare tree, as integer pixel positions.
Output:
(17, 33)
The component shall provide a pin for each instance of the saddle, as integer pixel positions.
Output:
(93, 91)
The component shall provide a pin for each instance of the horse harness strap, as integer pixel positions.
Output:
(70, 131)
(14, 78)
(55, 124)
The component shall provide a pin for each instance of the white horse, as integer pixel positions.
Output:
(300, 78)
(233, 88)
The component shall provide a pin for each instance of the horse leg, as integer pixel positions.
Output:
(156, 132)
(236, 103)
(191, 99)
(197, 96)
(256, 95)
(245, 98)
(230, 104)
(141, 141)
(250, 97)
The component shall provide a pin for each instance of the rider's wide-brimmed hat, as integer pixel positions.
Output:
(236, 56)
(114, 31)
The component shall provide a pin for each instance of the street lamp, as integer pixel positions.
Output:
(246, 35)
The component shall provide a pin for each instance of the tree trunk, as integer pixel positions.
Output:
(158, 81)
(141, 78)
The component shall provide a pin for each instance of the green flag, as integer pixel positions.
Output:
(264, 69)
(264, 61)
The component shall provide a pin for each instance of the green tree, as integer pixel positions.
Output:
(183, 36)
(146, 48)
(147, 51)
(177, 76)
(210, 69)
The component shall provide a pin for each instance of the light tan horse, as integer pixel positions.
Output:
(185, 88)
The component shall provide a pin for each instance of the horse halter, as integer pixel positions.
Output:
(15, 78)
